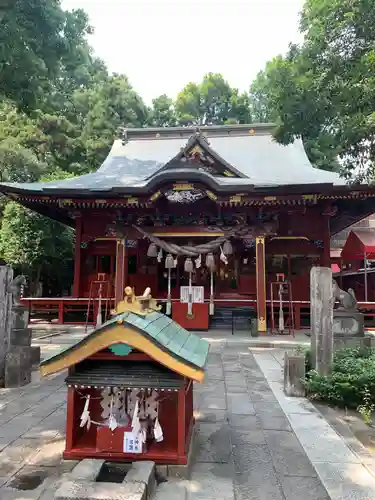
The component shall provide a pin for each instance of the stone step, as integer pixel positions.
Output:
(84, 490)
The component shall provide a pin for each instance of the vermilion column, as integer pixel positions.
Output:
(261, 284)
(120, 271)
(77, 257)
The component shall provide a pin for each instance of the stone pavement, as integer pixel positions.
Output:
(32, 436)
(344, 465)
(246, 448)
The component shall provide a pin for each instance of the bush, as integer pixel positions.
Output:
(351, 382)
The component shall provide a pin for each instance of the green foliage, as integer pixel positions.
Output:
(351, 383)
(324, 90)
(101, 111)
(212, 102)
(162, 112)
(33, 244)
(367, 408)
(38, 38)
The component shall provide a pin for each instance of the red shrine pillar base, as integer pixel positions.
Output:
(261, 285)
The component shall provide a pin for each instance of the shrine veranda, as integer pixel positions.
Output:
(206, 218)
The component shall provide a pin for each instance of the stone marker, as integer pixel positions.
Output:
(6, 278)
(294, 372)
(20, 356)
(321, 307)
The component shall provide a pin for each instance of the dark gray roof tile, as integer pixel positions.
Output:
(134, 163)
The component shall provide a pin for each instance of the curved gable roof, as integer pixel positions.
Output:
(249, 149)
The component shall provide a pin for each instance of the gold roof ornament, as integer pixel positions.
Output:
(141, 304)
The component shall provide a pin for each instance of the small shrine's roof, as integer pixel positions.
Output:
(154, 333)
(253, 159)
(129, 375)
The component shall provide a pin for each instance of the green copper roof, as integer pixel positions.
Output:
(160, 329)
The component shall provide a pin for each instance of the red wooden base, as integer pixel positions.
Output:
(162, 457)
(175, 416)
(198, 320)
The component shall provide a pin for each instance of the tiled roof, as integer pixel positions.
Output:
(134, 162)
(160, 329)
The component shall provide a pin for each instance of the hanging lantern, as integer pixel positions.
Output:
(152, 250)
(189, 266)
(227, 247)
(169, 262)
(210, 261)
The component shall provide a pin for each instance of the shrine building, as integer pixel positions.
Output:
(207, 218)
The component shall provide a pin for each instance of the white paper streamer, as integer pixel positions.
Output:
(85, 417)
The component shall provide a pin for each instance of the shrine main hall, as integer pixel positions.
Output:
(209, 218)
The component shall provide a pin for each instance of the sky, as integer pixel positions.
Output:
(163, 45)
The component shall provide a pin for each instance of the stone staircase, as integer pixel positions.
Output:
(225, 316)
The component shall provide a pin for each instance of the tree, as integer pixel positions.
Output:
(212, 102)
(102, 110)
(162, 113)
(5, 5)
(35, 245)
(259, 102)
(324, 90)
(37, 39)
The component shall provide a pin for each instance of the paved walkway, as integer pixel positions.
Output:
(343, 464)
(246, 447)
(253, 442)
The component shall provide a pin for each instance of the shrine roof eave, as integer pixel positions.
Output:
(155, 334)
(217, 184)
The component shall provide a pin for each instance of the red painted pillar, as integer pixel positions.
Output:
(261, 284)
(70, 420)
(120, 271)
(77, 257)
(181, 429)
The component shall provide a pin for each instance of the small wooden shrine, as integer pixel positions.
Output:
(130, 386)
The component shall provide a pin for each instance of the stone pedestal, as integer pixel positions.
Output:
(21, 337)
(20, 317)
(21, 356)
(348, 342)
(321, 296)
(294, 372)
(35, 355)
(348, 324)
(18, 366)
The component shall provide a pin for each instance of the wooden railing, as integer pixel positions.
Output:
(58, 309)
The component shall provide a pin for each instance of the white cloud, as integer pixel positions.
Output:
(162, 45)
